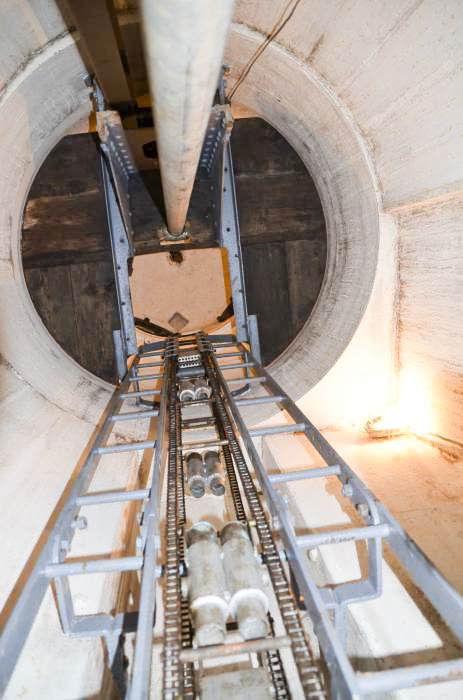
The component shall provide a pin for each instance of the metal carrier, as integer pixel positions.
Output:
(282, 656)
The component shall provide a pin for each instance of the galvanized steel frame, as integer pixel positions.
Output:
(125, 342)
(380, 525)
(114, 145)
(50, 564)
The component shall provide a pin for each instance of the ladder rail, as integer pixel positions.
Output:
(140, 679)
(19, 622)
(445, 599)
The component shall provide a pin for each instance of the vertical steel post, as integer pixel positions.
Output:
(121, 252)
(230, 239)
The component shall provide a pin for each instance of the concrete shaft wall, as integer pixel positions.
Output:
(389, 74)
(369, 95)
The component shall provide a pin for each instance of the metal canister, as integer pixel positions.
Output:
(249, 602)
(214, 472)
(195, 474)
(206, 584)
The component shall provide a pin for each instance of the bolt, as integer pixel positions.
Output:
(313, 554)
(79, 523)
(363, 510)
(347, 490)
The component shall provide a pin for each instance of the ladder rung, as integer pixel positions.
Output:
(318, 472)
(143, 392)
(161, 353)
(219, 355)
(90, 499)
(224, 345)
(275, 429)
(236, 648)
(126, 447)
(202, 444)
(247, 380)
(149, 364)
(145, 378)
(396, 678)
(259, 400)
(93, 566)
(134, 415)
(334, 536)
(240, 366)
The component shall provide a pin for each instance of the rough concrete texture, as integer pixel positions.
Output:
(369, 95)
(396, 627)
(48, 404)
(392, 73)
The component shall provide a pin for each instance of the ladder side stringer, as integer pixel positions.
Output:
(54, 564)
(252, 506)
(324, 604)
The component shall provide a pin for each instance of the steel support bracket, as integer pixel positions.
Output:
(116, 149)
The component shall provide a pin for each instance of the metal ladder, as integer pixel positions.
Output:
(327, 606)
(54, 564)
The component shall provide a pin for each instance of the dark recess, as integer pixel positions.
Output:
(67, 258)
(282, 233)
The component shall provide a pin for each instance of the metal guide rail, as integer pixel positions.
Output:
(55, 563)
(202, 628)
(179, 677)
(327, 606)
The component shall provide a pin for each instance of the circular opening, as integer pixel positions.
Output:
(68, 265)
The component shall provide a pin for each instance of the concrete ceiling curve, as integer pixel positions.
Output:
(365, 142)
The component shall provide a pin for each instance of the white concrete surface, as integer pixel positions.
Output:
(369, 95)
(392, 73)
(401, 473)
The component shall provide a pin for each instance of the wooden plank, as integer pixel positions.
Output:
(258, 148)
(265, 271)
(95, 316)
(71, 167)
(305, 267)
(68, 257)
(75, 222)
(51, 293)
(100, 35)
(149, 217)
(275, 207)
(65, 211)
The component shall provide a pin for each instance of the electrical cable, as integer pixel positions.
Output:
(280, 24)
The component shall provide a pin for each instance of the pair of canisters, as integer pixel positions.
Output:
(225, 580)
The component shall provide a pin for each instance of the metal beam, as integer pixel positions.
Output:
(120, 246)
(184, 45)
(99, 32)
(230, 239)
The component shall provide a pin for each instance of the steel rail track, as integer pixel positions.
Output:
(172, 671)
(272, 658)
(309, 674)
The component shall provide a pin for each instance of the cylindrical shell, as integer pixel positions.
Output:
(249, 602)
(202, 389)
(195, 474)
(214, 472)
(206, 585)
(186, 390)
(184, 45)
